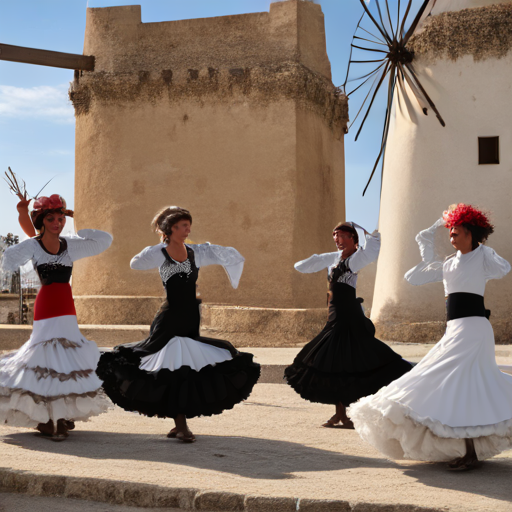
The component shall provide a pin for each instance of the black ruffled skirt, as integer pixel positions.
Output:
(167, 393)
(345, 362)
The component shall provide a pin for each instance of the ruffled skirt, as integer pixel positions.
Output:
(51, 376)
(187, 376)
(456, 392)
(345, 361)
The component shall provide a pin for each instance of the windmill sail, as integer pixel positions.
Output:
(385, 47)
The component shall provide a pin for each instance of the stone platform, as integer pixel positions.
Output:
(267, 454)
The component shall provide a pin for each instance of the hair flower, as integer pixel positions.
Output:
(462, 213)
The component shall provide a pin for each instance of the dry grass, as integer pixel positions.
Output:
(484, 32)
(259, 85)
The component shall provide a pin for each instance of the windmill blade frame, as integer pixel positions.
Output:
(398, 63)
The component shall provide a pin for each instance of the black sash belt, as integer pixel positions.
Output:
(462, 305)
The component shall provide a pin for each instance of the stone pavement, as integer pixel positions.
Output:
(267, 448)
(10, 502)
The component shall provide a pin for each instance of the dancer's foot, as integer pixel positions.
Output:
(463, 463)
(62, 428)
(347, 424)
(46, 429)
(186, 436)
(469, 461)
(332, 422)
(172, 433)
(70, 424)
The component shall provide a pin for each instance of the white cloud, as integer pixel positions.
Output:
(43, 102)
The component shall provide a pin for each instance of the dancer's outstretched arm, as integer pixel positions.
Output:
(210, 254)
(318, 262)
(430, 269)
(88, 242)
(495, 266)
(367, 253)
(148, 258)
(17, 255)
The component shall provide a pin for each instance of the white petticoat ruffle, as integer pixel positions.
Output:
(455, 392)
(51, 376)
(400, 433)
(181, 351)
(18, 409)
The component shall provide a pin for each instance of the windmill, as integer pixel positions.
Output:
(383, 45)
(462, 56)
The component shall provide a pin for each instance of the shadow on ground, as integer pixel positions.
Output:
(245, 456)
(491, 479)
(267, 459)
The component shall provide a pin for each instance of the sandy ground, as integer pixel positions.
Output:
(270, 445)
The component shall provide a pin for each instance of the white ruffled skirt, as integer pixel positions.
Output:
(456, 392)
(51, 376)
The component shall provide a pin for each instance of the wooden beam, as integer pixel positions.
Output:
(46, 57)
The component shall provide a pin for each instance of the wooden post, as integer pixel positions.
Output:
(46, 57)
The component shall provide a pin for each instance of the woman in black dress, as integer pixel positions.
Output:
(345, 361)
(176, 373)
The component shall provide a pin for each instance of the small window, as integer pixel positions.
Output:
(488, 150)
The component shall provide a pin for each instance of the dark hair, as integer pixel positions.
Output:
(347, 227)
(166, 218)
(38, 219)
(479, 234)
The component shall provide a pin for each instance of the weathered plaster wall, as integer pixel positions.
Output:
(428, 168)
(234, 118)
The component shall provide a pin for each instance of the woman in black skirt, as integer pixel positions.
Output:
(345, 361)
(176, 373)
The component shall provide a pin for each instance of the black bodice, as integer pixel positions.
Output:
(179, 279)
(50, 273)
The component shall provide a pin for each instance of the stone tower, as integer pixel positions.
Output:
(234, 118)
(463, 55)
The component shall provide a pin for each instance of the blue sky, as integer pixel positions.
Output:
(36, 118)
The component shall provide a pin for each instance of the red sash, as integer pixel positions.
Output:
(54, 300)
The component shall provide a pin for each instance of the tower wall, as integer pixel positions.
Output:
(234, 118)
(463, 60)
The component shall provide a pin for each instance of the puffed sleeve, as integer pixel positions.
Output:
(366, 254)
(495, 267)
(430, 270)
(232, 261)
(150, 257)
(318, 262)
(88, 242)
(17, 255)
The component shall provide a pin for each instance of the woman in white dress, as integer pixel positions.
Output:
(50, 382)
(175, 372)
(456, 404)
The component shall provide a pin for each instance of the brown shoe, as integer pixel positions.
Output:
(70, 424)
(46, 429)
(62, 429)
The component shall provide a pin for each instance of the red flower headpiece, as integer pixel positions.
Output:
(54, 202)
(465, 214)
(44, 204)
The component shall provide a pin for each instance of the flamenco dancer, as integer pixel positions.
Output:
(176, 373)
(50, 382)
(455, 405)
(345, 361)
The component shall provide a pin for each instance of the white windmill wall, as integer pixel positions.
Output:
(427, 168)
